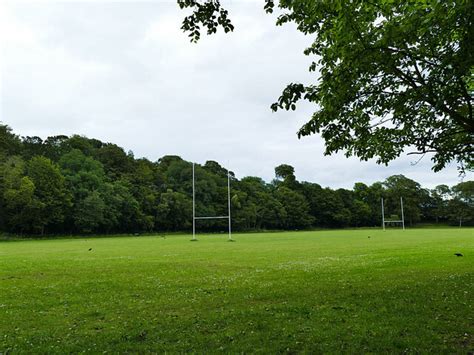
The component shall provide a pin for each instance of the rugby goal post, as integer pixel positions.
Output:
(385, 221)
(228, 217)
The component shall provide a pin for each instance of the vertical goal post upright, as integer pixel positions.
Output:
(228, 217)
(402, 221)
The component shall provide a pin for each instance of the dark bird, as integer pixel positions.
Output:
(458, 254)
(90, 249)
(368, 236)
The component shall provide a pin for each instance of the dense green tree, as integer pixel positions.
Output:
(178, 173)
(32, 146)
(211, 192)
(271, 213)
(122, 210)
(465, 191)
(313, 193)
(145, 183)
(244, 211)
(86, 145)
(361, 191)
(326, 206)
(10, 143)
(439, 198)
(55, 147)
(459, 212)
(348, 201)
(360, 213)
(461, 206)
(174, 211)
(165, 162)
(50, 189)
(268, 212)
(296, 207)
(253, 184)
(215, 168)
(84, 178)
(114, 160)
(89, 213)
(375, 194)
(21, 208)
(286, 174)
(82, 173)
(285, 171)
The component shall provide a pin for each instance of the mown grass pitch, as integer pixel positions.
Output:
(325, 291)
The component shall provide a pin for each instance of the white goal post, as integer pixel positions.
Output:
(385, 221)
(228, 217)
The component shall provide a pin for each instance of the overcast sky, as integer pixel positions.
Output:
(123, 72)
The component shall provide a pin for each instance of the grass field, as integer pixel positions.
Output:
(325, 291)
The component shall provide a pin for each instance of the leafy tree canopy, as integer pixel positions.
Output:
(390, 75)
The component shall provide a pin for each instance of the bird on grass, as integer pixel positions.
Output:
(90, 249)
(458, 254)
(368, 236)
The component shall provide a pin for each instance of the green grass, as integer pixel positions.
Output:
(324, 291)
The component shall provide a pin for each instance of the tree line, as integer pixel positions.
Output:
(63, 185)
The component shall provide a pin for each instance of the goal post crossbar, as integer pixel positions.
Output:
(211, 217)
(228, 217)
